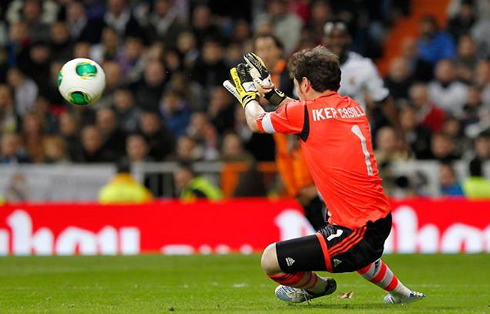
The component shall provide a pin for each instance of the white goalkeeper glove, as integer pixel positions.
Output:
(262, 77)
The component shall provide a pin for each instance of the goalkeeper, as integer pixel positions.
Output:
(336, 142)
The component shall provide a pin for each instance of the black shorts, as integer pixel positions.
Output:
(334, 248)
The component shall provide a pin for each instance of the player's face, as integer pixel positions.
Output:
(337, 41)
(266, 49)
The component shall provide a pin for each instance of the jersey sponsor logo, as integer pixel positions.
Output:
(336, 262)
(336, 235)
(290, 261)
(332, 113)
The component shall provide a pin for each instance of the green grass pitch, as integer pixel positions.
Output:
(226, 284)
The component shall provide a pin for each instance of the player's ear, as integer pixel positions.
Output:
(305, 83)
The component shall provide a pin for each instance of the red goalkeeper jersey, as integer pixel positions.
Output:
(336, 141)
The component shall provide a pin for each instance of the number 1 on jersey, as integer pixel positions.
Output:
(357, 131)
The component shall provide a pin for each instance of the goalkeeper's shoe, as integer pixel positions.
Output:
(297, 295)
(394, 298)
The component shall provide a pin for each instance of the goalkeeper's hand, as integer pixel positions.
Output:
(243, 87)
(262, 78)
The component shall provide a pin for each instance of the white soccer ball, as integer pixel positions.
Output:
(81, 81)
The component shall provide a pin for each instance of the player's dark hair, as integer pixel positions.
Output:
(319, 65)
(276, 40)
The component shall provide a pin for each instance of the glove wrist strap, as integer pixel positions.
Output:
(275, 97)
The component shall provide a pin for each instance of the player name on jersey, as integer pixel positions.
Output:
(333, 113)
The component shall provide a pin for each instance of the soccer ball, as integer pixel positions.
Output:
(81, 81)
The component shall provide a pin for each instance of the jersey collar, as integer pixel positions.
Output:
(328, 94)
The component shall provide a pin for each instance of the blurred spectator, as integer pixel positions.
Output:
(81, 50)
(452, 127)
(271, 50)
(108, 48)
(187, 150)
(433, 44)
(120, 18)
(164, 22)
(462, 19)
(203, 25)
(321, 13)
(54, 150)
(442, 148)
(449, 182)
(210, 69)
(42, 107)
(33, 133)
(35, 63)
(127, 115)
(420, 69)
(124, 189)
(481, 33)
(92, 146)
(445, 91)
(482, 146)
(417, 135)
(61, 44)
(204, 133)
(148, 91)
(232, 149)
(175, 112)
(221, 109)
(466, 59)
(80, 27)
(137, 148)
(285, 25)
(472, 109)
(428, 114)
(113, 73)
(482, 80)
(187, 47)
(191, 187)
(69, 131)
(160, 140)
(387, 148)
(131, 59)
(51, 92)
(11, 150)
(114, 139)
(476, 186)
(8, 119)
(25, 91)
(398, 79)
(480, 6)
(31, 13)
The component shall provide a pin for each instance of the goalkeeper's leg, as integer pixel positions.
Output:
(297, 282)
(382, 276)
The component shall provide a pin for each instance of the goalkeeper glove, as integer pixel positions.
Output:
(262, 77)
(242, 87)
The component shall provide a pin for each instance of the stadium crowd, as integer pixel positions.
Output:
(165, 62)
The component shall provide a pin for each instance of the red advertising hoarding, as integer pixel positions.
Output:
(245, 225)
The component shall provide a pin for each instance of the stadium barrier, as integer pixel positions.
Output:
(72, 183)
(242, 225)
